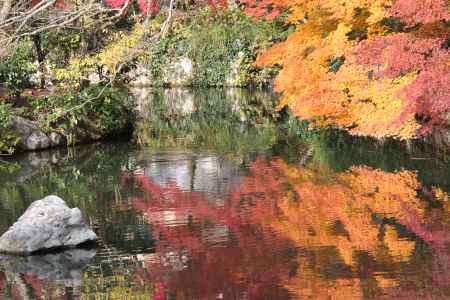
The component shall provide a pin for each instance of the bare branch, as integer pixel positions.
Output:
(19, 18)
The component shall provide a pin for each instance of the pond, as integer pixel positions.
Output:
(212, 206)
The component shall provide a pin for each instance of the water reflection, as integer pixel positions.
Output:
(367, 233)
(183, 225)
(233, 121)
(327, 219)
(52, 276)
(363, 233)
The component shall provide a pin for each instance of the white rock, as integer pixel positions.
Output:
(179, 73)
(47, 224)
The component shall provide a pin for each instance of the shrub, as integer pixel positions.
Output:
(105, 110)
(17, 68)
(8, 140)
(214, 43)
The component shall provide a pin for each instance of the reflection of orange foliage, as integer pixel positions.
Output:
(356, 233)
(338, 213)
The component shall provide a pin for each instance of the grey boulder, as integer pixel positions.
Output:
(47, 224)
(33, 138)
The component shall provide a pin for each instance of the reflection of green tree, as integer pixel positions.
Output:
(90, 180)
(225, 121)
(340, 151)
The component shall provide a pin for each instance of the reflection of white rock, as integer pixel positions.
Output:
(176, 260)
(61, 270)
(214, 176)
(168, 172)
(169, 218)
(180, 101)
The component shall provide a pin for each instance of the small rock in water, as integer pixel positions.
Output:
(47, 224)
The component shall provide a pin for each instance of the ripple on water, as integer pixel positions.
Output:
(184, 225)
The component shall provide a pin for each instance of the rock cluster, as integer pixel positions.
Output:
(32, 137)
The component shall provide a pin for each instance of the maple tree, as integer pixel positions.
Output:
(266, 9)
(378, 68)
(152, 6)
(216, 5)
(146, 7)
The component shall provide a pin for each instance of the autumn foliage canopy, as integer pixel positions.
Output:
(377, 68)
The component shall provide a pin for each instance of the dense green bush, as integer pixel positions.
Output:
(16, 68)
(214, 43)
(8, 140)
(103, 110)
(235, 123)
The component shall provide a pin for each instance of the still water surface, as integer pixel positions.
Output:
(327, 219)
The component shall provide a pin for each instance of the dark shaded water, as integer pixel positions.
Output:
(324, 217)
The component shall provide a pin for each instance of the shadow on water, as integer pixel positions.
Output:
(292, 215)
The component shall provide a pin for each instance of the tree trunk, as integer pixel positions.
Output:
(41, 58)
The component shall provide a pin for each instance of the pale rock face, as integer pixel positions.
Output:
(179, 73)
(57, 139)
(233, 78)
(47, 224)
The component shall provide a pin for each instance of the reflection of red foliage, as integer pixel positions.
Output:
(36, 284)
(224, 249)
(169, 209)
(235, 263)
(240, 268)
(160, 291)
